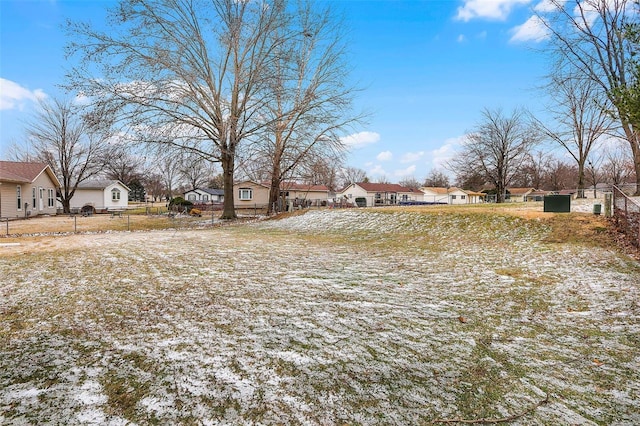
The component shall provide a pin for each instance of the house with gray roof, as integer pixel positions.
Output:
(100, 196)
(204, 195)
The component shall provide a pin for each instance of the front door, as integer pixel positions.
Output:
(41, 199)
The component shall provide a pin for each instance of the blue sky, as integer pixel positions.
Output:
(428, 68)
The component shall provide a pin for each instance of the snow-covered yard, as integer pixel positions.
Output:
(331, 317)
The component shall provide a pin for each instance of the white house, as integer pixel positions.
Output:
(204, 195)
(451, 195)
(367, 194)
(435, 194)
(100, 196)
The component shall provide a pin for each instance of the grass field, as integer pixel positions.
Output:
(394, 316)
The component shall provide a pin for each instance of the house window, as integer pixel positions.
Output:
(205, 197)
(463, 197)
(246, 193)
(33, 197)
(405, 197)
(19, 197)
(51, 199)
(453, 197)
(115, 194)
(191, 197)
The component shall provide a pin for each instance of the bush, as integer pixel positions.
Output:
(180, 203)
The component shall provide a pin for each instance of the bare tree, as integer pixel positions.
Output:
(216, 181)
(534, 170)
(592, 36)
(437, 178)
(617, 166)
(410, 182)
(194, 169)
(321, 171)
(60, 136)
(168, 166)
(154, 186)
(310, 98)
(470, 178)
(124, 166)
(580, 116)
(594, 172)
(349, 175)
(560, 175)
(183, 73)
(497, 148)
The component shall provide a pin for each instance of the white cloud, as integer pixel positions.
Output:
(376, 170)
(12, 95)
(489, 9)
(440, 156)
(548, 5)
(461, 38)
(81, 99)
(385, 156)
(532, 30)
(586, 13)
(409, 171)
(411, 157)
(358, 140)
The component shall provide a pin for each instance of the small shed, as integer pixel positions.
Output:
(99, 196)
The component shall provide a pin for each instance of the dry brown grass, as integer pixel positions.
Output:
(42, 233)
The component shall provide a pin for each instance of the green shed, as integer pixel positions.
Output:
(557, 203)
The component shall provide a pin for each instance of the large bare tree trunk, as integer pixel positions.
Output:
(228, 165)
(633, 137)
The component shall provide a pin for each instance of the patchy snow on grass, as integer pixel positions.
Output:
(331, 317)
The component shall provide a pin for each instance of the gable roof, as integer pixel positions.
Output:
(213, 191)
(441, 190)
(520, 191)
(25, 172)
(435, 189)
(210, 191)
(100, 184)
(383, 187)
(245, 182)
(294, 186)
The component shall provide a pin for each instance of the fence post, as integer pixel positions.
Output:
(7, 226)
(128, 222)
(608, 204)
(75, 224)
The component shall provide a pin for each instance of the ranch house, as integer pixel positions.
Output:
(27, 189)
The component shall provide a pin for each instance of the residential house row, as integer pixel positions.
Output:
(29, 189)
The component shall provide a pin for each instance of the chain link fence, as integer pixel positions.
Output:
(626, 215)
